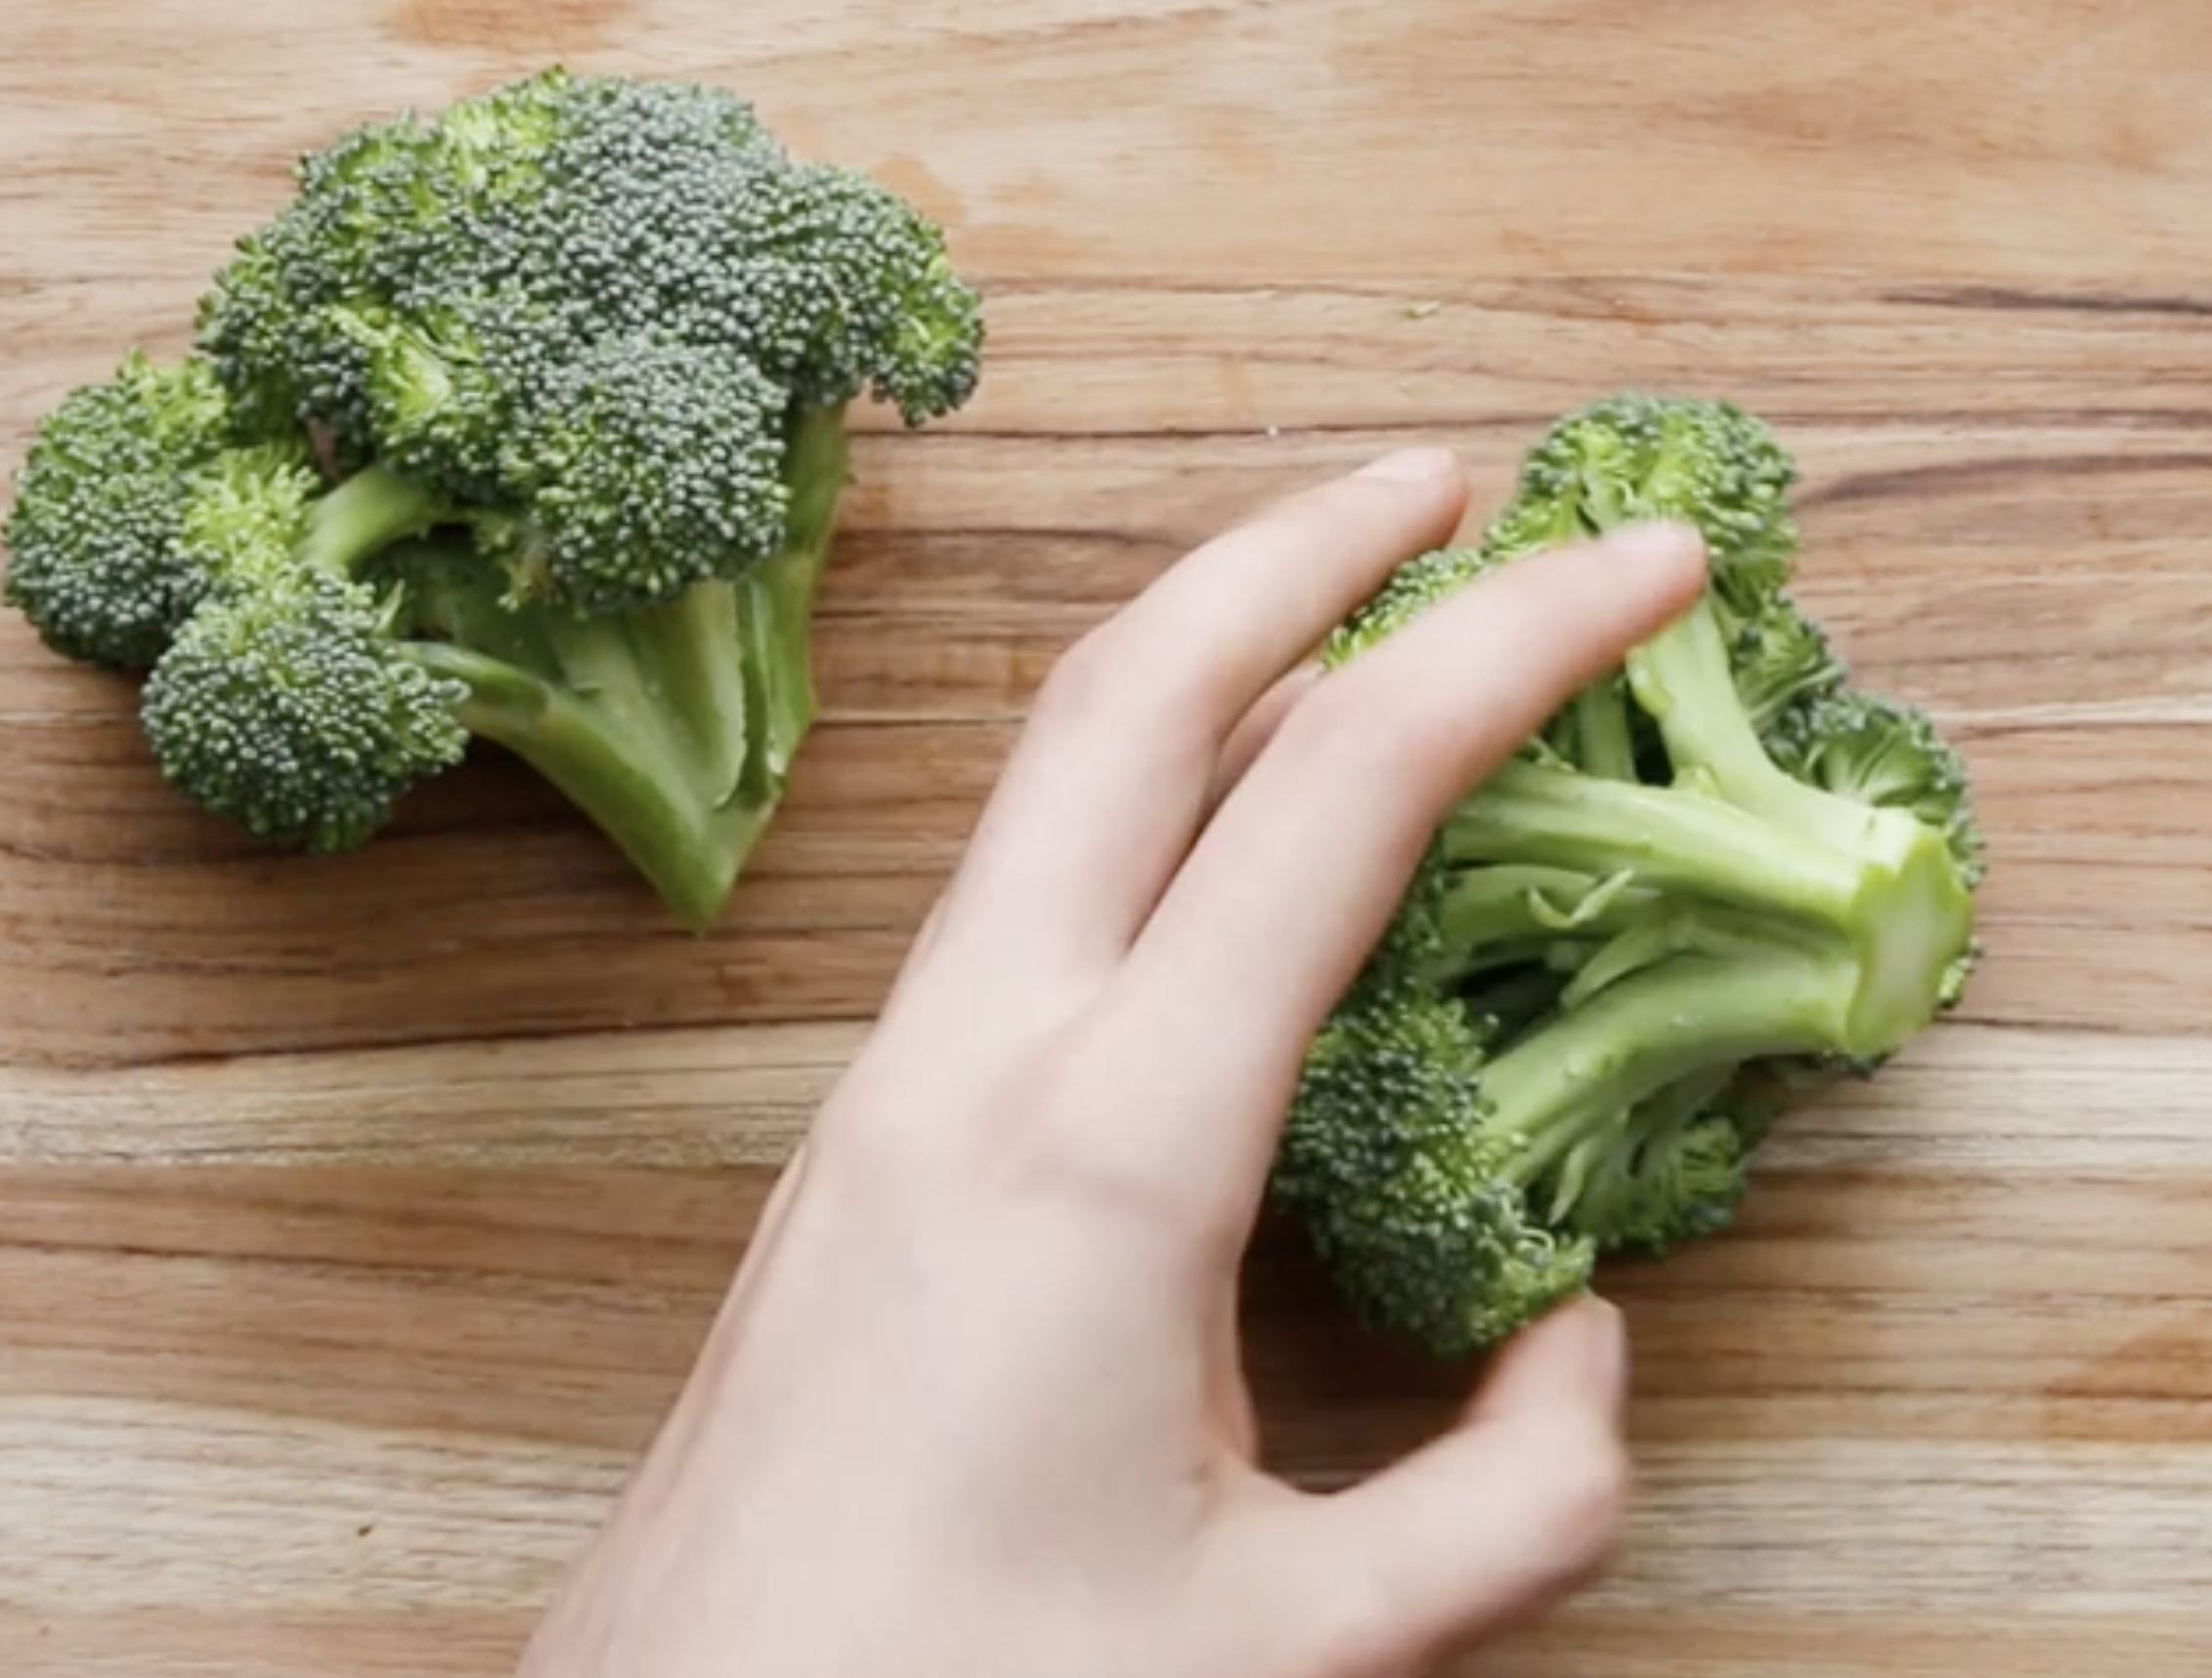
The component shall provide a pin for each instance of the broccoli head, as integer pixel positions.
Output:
(525, 423)
(99, 564)
(593, 305)
(1718, 877)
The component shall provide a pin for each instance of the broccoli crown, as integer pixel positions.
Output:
(591, 307)
(1635, 456)
(284, 703)
(524, 423)
(1715, 880)
(1405, 1190)
(99, 563)
(1880, 751)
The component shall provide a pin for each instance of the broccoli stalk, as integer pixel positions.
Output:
(1866, 898)
(359, 519)
(672, 726)
(1717, 876)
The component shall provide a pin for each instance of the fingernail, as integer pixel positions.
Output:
(1410, 465)
(1660, 543)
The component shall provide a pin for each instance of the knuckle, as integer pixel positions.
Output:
(1363, 1631)
(1353, 729)
(880, 1152)
(1088, 680)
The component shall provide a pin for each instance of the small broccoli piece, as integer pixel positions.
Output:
(1879, 750)
(1631, 458)
(97, 568)
(524, 423)
(1783, 660)
(284, 704)
(1410, 1191)
(1717, 876)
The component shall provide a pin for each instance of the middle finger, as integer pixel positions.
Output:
(1296, 878)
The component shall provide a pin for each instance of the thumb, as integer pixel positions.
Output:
(1493, 1520)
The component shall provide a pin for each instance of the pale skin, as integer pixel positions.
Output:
(974, 1406)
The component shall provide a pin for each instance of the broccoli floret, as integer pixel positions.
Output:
(526, 423)
(593, 304)
(96, 536)
(1408, 1189)
(1783, 660)
(284, 703)
(1718, 878)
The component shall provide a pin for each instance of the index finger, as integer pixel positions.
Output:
(1112, 777)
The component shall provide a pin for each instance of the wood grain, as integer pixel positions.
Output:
(358, 1218)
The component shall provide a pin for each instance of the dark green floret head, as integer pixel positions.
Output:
(598, 304)
(97, 561)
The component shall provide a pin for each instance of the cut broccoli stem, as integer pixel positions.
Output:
(1557, 1087)
(640, 794)
(1903, 920)
(366, 514)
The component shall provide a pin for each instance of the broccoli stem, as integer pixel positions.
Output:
(689, 850)
(1611, 1184)
(1683, 678)
(1735, 829)
(1673, 838)
(1483, 907)
(671, 726)
(1900, 920)
(696, 668)
(366, 514)
(1601, 726)
(777, 610)
(1557, 1087)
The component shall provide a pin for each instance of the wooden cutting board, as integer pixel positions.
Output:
(358, 1218)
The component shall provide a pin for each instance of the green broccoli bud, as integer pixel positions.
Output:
(628, 505)
(1409, 1191)
(596, 309)
(1635, 456)
(97, 566)
(1670, 1170)
(1782, 661)
(284, 704)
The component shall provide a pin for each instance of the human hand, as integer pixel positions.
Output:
(974, 1404)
